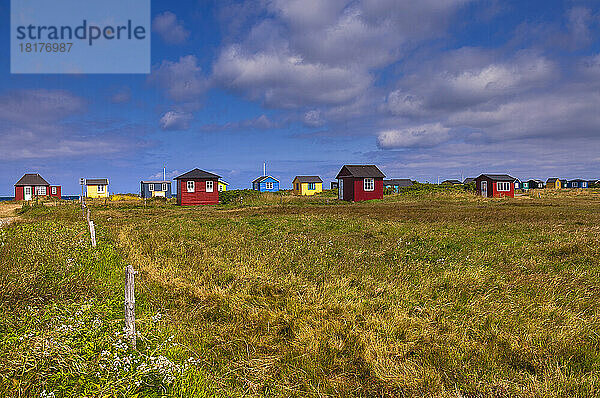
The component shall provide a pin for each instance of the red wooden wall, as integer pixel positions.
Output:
(199, 196)
(360, 194)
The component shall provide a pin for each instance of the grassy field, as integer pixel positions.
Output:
(419, 294)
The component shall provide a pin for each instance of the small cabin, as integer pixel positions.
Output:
(197, 187)
(266, 184)
(397, 183)
(360, 182)
(97, 188)
(307, 185)
(495, 185)
(518, 184)
(553, 183)
(222, 186)
(534, 184)
(33, 185)
(155, 189)
(577, 184)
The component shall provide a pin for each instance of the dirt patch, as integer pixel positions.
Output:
(7, 213)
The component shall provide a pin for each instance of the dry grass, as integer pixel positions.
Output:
(415, 295)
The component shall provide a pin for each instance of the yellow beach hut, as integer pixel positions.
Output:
(553, 183)
(307, 185)
(222, 186)
(96, 187)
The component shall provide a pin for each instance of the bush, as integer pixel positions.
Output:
(229, 197)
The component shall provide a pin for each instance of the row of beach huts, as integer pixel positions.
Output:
(353, 183)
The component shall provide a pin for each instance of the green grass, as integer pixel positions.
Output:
(420, 294)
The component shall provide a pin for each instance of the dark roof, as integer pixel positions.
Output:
(456, 182)
(96, 181)
(197, 174)
(360, 171)
(303, 179)
(552, 179)
(468, 180)
(401, 182)
(31, 179)
(578, 180)
(156, 182)
(498, 177)
(262, 178)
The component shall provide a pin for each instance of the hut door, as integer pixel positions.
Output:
(27, 193)
(341, 189)
(484, 188)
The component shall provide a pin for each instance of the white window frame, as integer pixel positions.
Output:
(584, 184)
(219, 187)
(164, 187)
(151, 187)
(191, 186)
(101, 188)
(268, 185)
(40, 191)
(369, 184)
(210, 184)
(54, 190)
(312, 186)
(503, 186)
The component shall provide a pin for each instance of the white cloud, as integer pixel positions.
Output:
(121, 96)
(182, 80)
(313, 118)
(262, 122)
(560, 115)
(321, 53)
(418, 136)
(39, 106)
(169, 28)
(282, 79)
(175, 120)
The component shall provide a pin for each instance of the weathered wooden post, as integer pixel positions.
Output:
(130, 305)
(92, 233)
(88, 215)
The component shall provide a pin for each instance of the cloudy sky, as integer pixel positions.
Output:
(424, 89)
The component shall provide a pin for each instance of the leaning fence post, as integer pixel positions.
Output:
(92, 233)
(130, 305)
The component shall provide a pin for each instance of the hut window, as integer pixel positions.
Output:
(164, 187)
(53, 190)
(151, 187)
(190, 186)
(268, 185)
(209, 186)
(220, 187)
(100, 188)
(297, 186)
(369, 184)
(311, 186)
(40, 191)
(504, 186)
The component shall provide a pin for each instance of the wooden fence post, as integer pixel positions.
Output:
(92, 233)
(130, 305)
(88, 215)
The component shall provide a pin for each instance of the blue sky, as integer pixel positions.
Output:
(428, 89)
